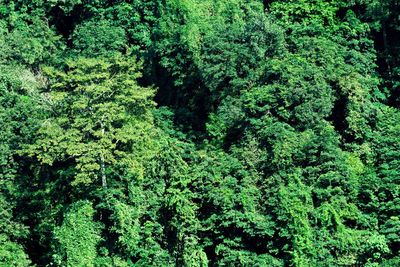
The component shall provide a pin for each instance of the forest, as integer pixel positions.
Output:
(196, 133)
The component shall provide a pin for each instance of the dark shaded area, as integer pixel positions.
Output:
(338, 115)
(65, 23)
(191, 102)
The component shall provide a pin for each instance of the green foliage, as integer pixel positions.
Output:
(199, 133)
(18, 119)
(94, 38)
(27, 41)
(384, 190)
(233, 54)
(78, 236)
(99, 115)
(12, 254)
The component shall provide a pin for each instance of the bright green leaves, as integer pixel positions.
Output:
(231, 205)
(295, 209)
(12, 254)
(127, 225)
(99, 116)
(383, 190)
(78, 236)
(307, 12)
(180, 29)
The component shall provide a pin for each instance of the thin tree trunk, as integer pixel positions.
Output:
(103, 172)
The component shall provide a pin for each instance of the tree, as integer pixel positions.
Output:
(99, 118)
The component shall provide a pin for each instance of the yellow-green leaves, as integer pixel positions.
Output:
(77, 237)
(99, 115)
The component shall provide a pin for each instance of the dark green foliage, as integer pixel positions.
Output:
(94, 38)
(199, 133)
(18, 120)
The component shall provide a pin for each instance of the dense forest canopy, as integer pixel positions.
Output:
(200, 133)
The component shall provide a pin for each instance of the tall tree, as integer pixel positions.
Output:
(99, 118)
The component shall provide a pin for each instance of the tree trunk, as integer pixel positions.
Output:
(103, 172)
